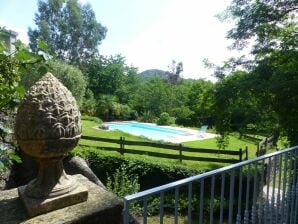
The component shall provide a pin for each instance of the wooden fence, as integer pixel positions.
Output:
(264, 145)
(179, 148)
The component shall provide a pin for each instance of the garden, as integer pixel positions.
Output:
(250, 100)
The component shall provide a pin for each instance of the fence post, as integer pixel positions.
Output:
(246, 153)
(122, 145)
(180, 153)
(240, 154)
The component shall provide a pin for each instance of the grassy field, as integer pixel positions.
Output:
(89, 130)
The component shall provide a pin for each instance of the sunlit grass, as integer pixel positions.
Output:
(235, 144)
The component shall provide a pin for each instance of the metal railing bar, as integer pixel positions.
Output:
(253, 210)
(260, 210)
(201, 201)
(289, 190)
(278, 191)
(189, 218)
(145, 211)
(161, 210)
(231, 198)
(284, 188)
(246, 212)
(212, 199)
(267, 191)
(176, 204)
(126, 211)
(293, 190)
(296, 203)
(272, 212)
(238, 219)
(222, 192)
(185, 181)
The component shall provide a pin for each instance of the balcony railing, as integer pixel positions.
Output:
(260, 190)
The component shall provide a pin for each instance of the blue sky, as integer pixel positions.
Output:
(149, 33)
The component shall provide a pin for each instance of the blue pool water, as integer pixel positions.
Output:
(148, 130)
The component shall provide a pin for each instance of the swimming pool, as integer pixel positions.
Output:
(154, 132)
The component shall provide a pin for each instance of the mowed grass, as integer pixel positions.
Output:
(235, 144)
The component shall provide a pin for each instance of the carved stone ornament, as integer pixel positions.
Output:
(48, 126)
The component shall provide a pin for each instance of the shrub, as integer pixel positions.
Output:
(110, 168)
(122, 182)
(183, 116)
(147, 116)
(165, 119)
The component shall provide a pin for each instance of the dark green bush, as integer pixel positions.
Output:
(165, 119)
(155, 174)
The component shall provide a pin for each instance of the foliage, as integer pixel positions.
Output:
(165, 119)
(200, 101)
(147, 116)
(174, 72)
(272, 24)
(222, 141)
(264, 95)
(7, 157)
(157, 96)
(123, 182)
(69, 29)
(69, 75)
(184, 116)
(105, 74)
(88, 106)
(12, 65)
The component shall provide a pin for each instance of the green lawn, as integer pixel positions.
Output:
(88, 130)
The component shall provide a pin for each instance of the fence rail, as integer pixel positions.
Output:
(179, 148)
(260, 190)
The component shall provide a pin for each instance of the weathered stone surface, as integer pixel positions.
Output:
(48, 125)
(38, 206)
(48, 112)
(102, 207)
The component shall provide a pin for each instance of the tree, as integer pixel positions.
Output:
(272, 77)
(69, 29)
(271, 23)
(105, 74)
(200, 100)
(174, 72)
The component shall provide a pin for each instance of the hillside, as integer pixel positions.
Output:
(150, 73)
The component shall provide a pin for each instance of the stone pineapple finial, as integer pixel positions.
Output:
(48, 126)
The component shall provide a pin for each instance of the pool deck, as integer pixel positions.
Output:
(192, 135)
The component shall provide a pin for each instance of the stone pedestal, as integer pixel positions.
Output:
(102, 207)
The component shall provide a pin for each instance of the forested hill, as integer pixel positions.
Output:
(150, 73)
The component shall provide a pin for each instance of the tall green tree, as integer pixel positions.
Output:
(273, 74)
(69, 29)
(105, 74)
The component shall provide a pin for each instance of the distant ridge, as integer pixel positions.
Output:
(150, 73)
